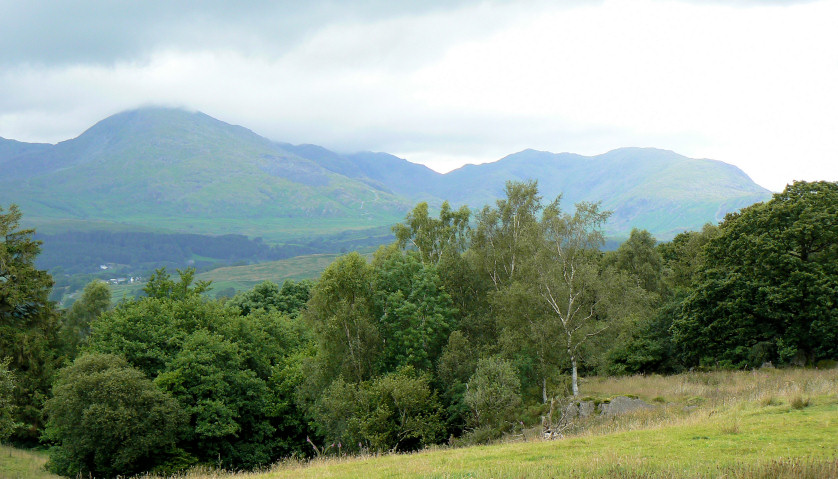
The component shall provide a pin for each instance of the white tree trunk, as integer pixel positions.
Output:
(574, 375)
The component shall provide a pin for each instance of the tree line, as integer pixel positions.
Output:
(462, 330)
(81, 252)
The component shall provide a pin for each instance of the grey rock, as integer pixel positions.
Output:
(622, 405)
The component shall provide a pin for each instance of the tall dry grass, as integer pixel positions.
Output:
(719, 388)
(22, 464)
(689, 398)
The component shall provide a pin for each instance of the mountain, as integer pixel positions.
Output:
(173, 170)
(186, 171)
(658, 190)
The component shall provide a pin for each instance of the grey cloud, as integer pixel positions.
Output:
(104, 32)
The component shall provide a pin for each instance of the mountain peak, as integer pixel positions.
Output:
(176, 168)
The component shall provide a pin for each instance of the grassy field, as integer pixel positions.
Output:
(18, 464)
(763, 424)
(759, 424)
(243, 278)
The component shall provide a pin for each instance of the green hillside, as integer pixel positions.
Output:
(658, 190)
(229, 280)
(242, 278)
(183, 171)
(169, 170)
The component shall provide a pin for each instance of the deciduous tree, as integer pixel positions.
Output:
(580, 294)
(109, 419)
(342, 314)
(505, 236)
(494, 395)
(415, 314)
(432, 237)
(770, 284)
(75, 328)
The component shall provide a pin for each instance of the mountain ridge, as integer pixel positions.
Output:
(171, 168)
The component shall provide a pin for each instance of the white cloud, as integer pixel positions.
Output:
(470, 83)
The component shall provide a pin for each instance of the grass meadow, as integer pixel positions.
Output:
(245, 277)
(771, 423)
(21, 464)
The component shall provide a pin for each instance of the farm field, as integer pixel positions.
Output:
(246, 277)
(243, 278)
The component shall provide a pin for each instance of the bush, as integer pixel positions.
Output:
(799, 402)
(494, 395)
(398, 411)
(108, 418)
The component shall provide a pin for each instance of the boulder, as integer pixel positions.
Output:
(622, 405)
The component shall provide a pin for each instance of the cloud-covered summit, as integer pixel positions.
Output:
(445, 83)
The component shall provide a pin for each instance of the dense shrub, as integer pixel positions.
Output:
(494, 395)
(107, 418)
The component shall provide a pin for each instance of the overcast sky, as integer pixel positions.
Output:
(752, 83)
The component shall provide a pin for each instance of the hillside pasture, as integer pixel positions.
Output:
(734, 424)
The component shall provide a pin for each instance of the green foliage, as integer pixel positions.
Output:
(584, 298)
(494, 395)
(368, 320)
(28, 322)
(639, 257)
(456, 365)
(648, 347)
(394, 412)
(160, 285)
(415, 313)
(551, 293)
(405, 413)
(289, 299)
(648, 344)
(505, 236)
(769, 287)
(234, 375)
(684, 256)
(107, 418)
(150, 332)
(342, 314)
(225, 400)
(95, 300)
(7, 401)
(529, 334)
(22, 286)
(433, 238)
(338, 414)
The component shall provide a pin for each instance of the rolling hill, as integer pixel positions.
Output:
(658, 190)
(171, 170)
(187, 172)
